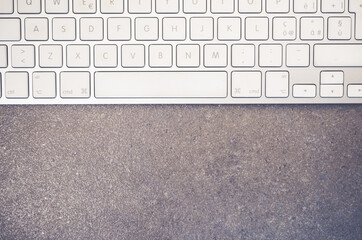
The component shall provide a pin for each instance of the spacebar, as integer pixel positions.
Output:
(160, 84)
(338, 55)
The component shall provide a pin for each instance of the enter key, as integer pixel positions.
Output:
(355, 6)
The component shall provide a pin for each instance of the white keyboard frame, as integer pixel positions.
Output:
(301, 75)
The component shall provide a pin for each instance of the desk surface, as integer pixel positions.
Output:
(180, 172)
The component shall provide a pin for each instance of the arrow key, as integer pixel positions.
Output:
(331, 77)
(355, 90)
(331, 91)
(304, 90)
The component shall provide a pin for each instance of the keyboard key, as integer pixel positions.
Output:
(320, 39)
(215, 55)
(312, 28)
(56, 6)
(144, 6)
(331, 91)
(51, 56)
(119, 29)
(3, 56)
(257, 28)
(64, 29)
(160, 84)
(202, 28)
(246, 84)
(284, 28)
(247, 6)
(146, 29)
(44, 85)
(160, 55)
(304, 91)
(167, 6)
(75, 84)
(277, 6)
(270, 55)
(297, 55)
(305, 6)
(6, 6)
(339, 55)
(112, 6)
(356, 7)
(332, 6)
(105, 56)
(26, 6)
(84, 6)
(188, 55)
(174, 29)
(10, 29)
(23, 56)
(78, 56)
(277, 84)
(91, 29)
(229, 28)
(192, 6)
(222, 6)
(243, 55)
(355, 90)
(133, 56)
(339, 28)
(332, 77)
(16, 85)
(36, 29)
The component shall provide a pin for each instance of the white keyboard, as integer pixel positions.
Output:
(180, 51)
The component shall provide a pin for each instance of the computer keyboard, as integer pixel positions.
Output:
(180, 51)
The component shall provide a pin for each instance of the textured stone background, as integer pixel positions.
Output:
(180, 172)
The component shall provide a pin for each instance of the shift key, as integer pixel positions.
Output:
(338, 55)
(10, 29)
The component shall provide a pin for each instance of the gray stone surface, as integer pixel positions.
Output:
(180, 172)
